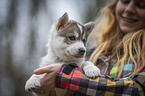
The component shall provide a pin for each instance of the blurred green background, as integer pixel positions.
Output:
(24, 30)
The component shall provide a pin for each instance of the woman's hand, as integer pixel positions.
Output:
(48, 80)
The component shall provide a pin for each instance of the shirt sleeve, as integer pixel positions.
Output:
(72, 78)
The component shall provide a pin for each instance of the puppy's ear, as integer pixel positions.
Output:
(62, 21)
(89, 27)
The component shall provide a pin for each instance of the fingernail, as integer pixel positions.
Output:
(36, 71)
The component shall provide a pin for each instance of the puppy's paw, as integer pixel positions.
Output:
(92, 71)
(32, 84)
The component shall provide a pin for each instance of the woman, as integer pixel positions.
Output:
(120, 55)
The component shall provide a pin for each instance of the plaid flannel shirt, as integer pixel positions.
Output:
(71, 77)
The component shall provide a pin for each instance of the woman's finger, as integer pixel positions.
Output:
(43, 70)
(47, 69)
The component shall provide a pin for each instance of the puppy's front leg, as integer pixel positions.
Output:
(90, 69)
(33, 82)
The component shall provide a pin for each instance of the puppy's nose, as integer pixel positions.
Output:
(82, 51)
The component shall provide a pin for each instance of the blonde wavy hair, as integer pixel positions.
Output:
(110, 41)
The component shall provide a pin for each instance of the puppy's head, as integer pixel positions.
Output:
(70, 38)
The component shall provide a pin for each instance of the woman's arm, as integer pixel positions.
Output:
(72, 78)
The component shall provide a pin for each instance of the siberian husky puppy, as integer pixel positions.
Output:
(66, 44)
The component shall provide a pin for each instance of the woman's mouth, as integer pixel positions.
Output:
(129, 20)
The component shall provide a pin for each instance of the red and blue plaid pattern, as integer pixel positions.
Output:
(71, 77)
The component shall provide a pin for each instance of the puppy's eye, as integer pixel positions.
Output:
(72, 38)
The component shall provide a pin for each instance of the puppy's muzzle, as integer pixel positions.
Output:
(82, 51)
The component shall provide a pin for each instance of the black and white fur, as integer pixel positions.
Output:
(66, 44)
